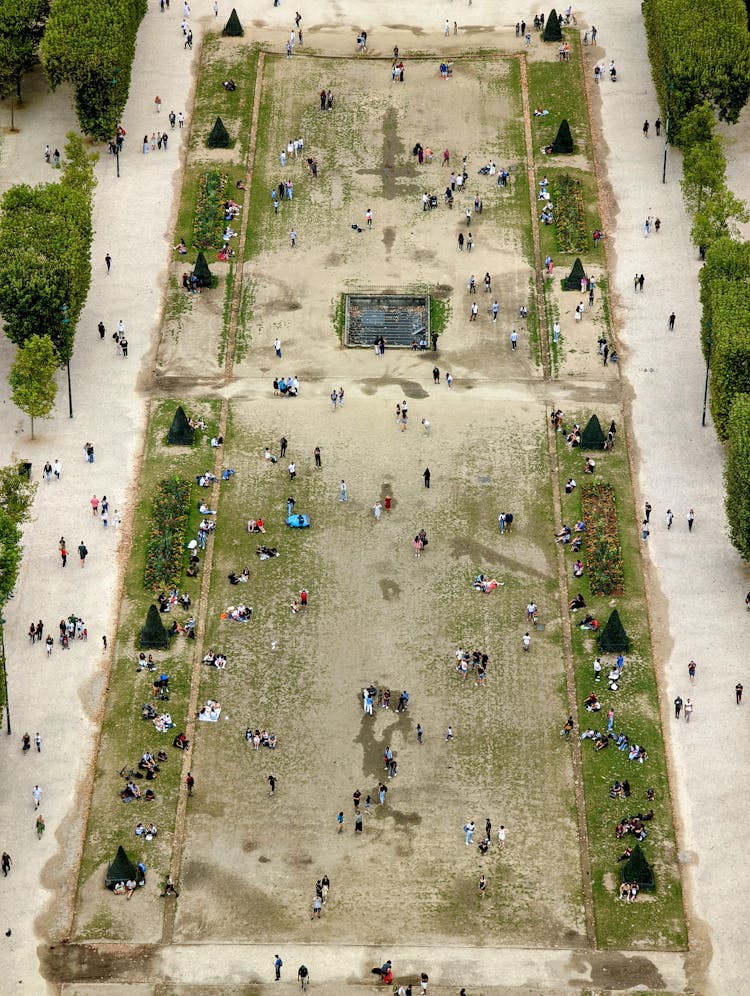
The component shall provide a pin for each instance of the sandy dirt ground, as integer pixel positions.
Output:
(679, 468)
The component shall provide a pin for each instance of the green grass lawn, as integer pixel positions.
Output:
(555, 86)
(125, 736)
(655, 920)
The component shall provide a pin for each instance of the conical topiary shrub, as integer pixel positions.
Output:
(552, 31)
(592, 437)
(613, 639)
(153, 635)
(563, 143)
(202, 273)
(637, 869)
(574, 278)
(181, 432)
(219, 137)
(233, 28)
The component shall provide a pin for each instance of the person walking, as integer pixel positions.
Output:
(292, 470)
(420, 734)
(5, 863)
(691, 672)
(501, 834)
(670, 322)
(526, 642)
(343, 494)
(690, 520)
(469, 831)
(641, 282)
(645, 129)
(340, 822)
(277, 968)
(647, 512)
(303, 977)
(474, 312)
(277, 346)
(190, 782)
(495, 309)
(283, 445)
(37, 794)
(316, 454)
(82, 553)
(40, 826)
(482, 886)
(426, 476)
(38, 743)
(669, 518)
(293, 238)
(513, 340)
(435, 375)
(271, 785)
(108, 264)
(688, 710)
(677, 707)
(368, 217)
(738, 693)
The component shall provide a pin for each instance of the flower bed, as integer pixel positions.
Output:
(601, 539)
(209, 216)
(166, 543)
(570, 216)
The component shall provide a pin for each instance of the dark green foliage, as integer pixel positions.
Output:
(219, 137)
(563, 143)
(21, 28)
(10, 555)
(730, 349)
(552, 31)
(727, 262)
(153, 635)
(233, 28)
(45, 253)
(637, 870)
(209, 212)
(613, 639)
(91, 45)
(697, 59)
(121, 869)
(181, 433)
(574, 278)
(203, 275)
(166, 542)
(592, 437)
(737, 475)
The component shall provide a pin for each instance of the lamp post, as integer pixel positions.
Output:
(65, 321)
(708, 367)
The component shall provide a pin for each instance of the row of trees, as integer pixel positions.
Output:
(698, 55)
(91, 45)
(725, 300)
(45, 272)
(21, 29)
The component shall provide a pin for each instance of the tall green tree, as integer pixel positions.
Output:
(21, 29)
(91, 45)
(721, 215)
(45, 253)
(16, 493)
(10, 555)
(32, 378)
(698, 55)
(737, 475)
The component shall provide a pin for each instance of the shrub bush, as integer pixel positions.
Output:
(166, 542)
(209, 216)
(601, 539)
(737, 475)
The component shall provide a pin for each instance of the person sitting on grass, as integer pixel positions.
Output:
(590, 466)
(578, 571)
(564, 535)
(578, 602)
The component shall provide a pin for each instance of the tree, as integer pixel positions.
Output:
(592, 437)
(219, 137)
(698, 60)
(91, 45)
(202, 272)
(704, 169)
(21, 28)
(727, 264)
(32, 378)
(45, 253)
(613, 639)
(16, 493)
(563, 143)
(10, 555)
(153, 635)
(552, 30)
(233, 28)
(181, 433)
(721, 215)
(574, 278)
(737, 475)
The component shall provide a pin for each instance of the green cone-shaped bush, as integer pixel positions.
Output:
(574, 278)
(219, 137)
(181, 433)
(202, 272)
(233, 28)
(613, 639)
(592, 437)
(563, 143)
(153, 635)
(552, 31)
